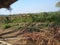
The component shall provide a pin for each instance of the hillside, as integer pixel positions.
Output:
(31, 29)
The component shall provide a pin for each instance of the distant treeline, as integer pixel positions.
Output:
(37, 17)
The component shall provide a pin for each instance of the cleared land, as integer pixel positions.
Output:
(31, 29)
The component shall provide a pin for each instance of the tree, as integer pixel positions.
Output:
(6, 3)
(58, 4)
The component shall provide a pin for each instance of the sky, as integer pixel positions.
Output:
(31, 6)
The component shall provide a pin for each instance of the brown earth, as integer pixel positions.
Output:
(30, 35)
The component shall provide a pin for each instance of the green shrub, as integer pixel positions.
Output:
(46, 24)
(5, 26)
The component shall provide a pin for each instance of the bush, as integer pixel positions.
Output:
(5, 26)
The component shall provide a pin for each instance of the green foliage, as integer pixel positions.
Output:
(41, 17)
(58, 4)
(46, 24)
(54, 17)
(4, 19)
(47, 17)
(22, 19)
(5, 26)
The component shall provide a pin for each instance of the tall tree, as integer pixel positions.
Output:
(58, 5)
